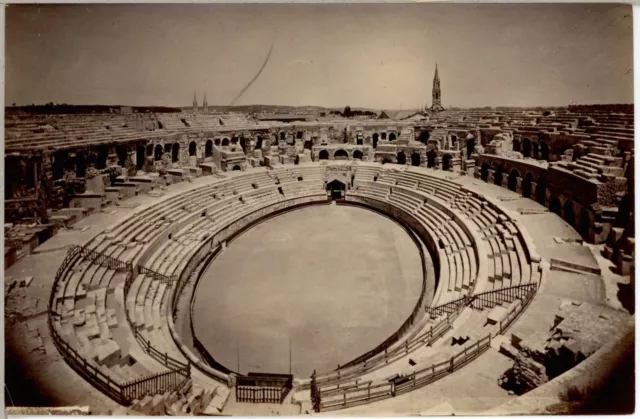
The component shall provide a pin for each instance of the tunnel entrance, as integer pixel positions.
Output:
(336, 189)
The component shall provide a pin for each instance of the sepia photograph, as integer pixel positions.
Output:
(279, 209)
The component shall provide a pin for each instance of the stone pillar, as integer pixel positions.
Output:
(519, 185)
(490, 178)
(112, 157)
(476, 172)
(505, 181)
(131, 163)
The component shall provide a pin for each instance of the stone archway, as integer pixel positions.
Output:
(357, 154)
(208, 148)
(158, 153)
(544, 153)
(341, 155)
(555, 206)
(512, 180)
(323, 155)
(140, 151)
(497, 176)
(541, 189)
(375, 140)
(516, 145)
(446, 161)
(175, 152)
(526, 148)
(484, 172)
(192, 148)
(526, 185)
(569, 215)
(415, 159)
(392, 136)
(225, 142)
(385, 161)
(237, 167)
(401, 158)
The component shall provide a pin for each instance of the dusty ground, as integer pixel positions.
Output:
(336, 280)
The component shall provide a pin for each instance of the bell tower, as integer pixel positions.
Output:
(436, 105)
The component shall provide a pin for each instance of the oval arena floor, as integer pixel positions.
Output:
(336, 289)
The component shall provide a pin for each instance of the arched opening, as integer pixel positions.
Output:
(167, 147)
(81, 165)
(299, 135)
(484, 172)
(415, 159)
(541, 189)
(512, 181)
(359, 139)
(192, 148)
(149, 150)
(341, 155)
(526, 185)
(175, 152)
(544, 154)
(585, 224)
(336, 188)
(569, 216)
(283, 135)
(323, 155)
(401, 158)
(471, 145)
(234, 140)
(424, 137)
(225, 142)
(121, 151)
(236, 167)
(217, 142)
(497, 176)
(374, 140)
(383, 136)
(516, 145)
(555, 206)
(91, 159)
(102, 158)
(446, 161)
(431, 158)
(536, 150)
(208, 148)
(392, 136)
(526, 148)
(308, 145)
(385, 161)
(140, 157)
(158, 154)
(259, 143)
(357, 154)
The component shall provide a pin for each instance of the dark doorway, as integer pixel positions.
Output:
(149, 150)
(526, 185)
(497, 176)
(446, 161)
(484, 172)
(225, 142)
(555, 206)
(536, 150)
(585, 224)
(526, 148)
(243, 144)
(323, 155)
(359, 139)
(385, 161)
(516, 145)
(424, 137)
(259, 143)
(208, 148)
(140, 157)
(415, 159)
(512, 184)
(81, 165)
(544, 151)
(471, 145)
(336, 188)
(236, 167)
(357, 154)
(121, 151)
(431, 158)
(375, 140)
(541, 189)
(392, 136)
(192, 148)
(569, 216)
(158, 153)
(401, 158)
(175, 152)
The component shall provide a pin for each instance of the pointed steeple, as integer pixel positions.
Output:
(436, 105)
(195, 102)
(205, 105)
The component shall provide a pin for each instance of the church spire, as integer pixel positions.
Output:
(436, 104)
(195, 103)
(205, 105)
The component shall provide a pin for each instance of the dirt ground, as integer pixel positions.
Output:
(336, 281)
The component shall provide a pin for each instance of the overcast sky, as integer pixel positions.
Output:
(377, 56)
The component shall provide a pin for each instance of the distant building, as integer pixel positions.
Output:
(436, 94)
(126, 109)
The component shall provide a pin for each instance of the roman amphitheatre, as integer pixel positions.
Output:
(433, 262)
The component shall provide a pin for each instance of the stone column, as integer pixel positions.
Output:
(505, 181)
(112, 157)
(490, 178)
(519, 185)
(476, 172)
